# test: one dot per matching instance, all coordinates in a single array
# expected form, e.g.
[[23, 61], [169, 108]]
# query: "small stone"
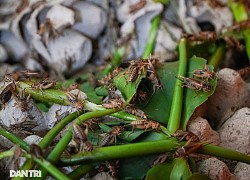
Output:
[[231, 93], [203, 130], [234, 133], [92, 19], [241, 171], [215, 169]]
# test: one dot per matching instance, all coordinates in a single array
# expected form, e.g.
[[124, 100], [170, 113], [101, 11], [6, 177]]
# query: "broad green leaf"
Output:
[[198, 176], [180, 169], [159, 105], [128, 89], [193, 99], [160, 171]]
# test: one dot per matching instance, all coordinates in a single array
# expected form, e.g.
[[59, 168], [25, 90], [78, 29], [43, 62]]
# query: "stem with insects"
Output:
[[122, 151], [152, 147], [62, 144], [59, 97], [176, 107]]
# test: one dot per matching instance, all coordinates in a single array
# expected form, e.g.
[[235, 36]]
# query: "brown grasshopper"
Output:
[[204, 73], [195, 84], [110, 137], [81, 138]]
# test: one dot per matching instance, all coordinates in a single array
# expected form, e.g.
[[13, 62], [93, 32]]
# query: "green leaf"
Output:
[[160, 171], [193, 99], [158, 108], [180, 169], [101, 91], [198, 176], [135, 168], [130, 136], [128, 89]]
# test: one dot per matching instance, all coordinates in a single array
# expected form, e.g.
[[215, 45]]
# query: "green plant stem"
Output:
[[176, 107], [80, 171], [152, 36], [48, 95], [49, 137], [122, 151], [49, 167], [14, 139], [240, 14], [59, 97], [217, 56], [62, 144], [225, 153], [152, 147]]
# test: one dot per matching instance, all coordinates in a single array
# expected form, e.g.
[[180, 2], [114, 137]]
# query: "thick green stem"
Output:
[[122, 151], [176, 107], [49, 137], [225, 153], [59, 97], [217, 56], [152, 147], [152, 36], [240, 14]]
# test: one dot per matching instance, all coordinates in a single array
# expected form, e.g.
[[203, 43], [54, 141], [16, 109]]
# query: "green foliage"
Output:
[[193, 99], [158, 108], [128, 89], [172, 170]]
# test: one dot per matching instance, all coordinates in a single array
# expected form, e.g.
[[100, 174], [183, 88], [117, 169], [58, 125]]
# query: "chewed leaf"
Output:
[[193, 99], [128, 89], [158, 107]]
